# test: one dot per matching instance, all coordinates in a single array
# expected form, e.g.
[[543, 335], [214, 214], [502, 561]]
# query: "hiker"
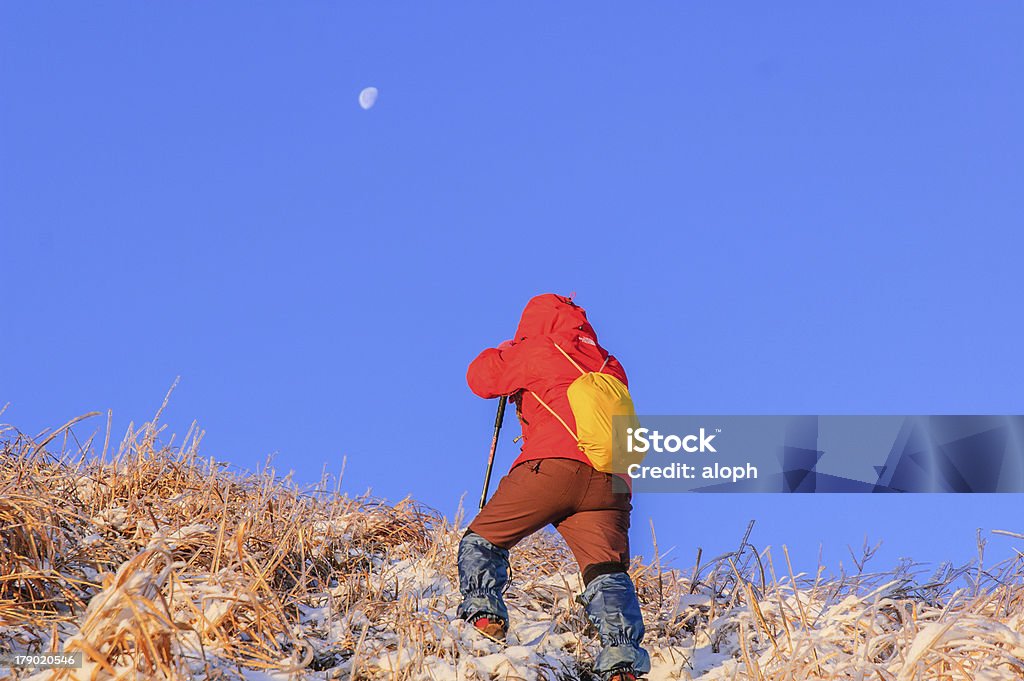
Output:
[[554, 482]]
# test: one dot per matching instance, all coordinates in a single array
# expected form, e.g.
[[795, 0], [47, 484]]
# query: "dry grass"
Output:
[[156, 563]]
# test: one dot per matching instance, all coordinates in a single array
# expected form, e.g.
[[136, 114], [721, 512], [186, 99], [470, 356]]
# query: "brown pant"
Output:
[[589, 509]]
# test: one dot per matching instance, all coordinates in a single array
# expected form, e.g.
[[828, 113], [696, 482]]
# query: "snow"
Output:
[[393, 615]]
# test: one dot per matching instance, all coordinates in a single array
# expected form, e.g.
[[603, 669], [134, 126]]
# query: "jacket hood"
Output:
[[552, 315]]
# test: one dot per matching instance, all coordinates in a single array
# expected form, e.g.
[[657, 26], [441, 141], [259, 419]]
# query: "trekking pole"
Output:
[[502, 401]]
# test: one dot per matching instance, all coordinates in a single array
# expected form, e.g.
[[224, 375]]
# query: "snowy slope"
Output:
[[159, 564]]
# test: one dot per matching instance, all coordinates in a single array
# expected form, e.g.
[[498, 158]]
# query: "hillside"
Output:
[[157, 563]]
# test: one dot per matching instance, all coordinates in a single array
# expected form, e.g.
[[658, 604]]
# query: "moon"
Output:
[[368, 97]]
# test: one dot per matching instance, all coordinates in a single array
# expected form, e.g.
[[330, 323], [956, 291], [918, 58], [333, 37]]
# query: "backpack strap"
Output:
[[582, 373], [555, 414], [578, 367]]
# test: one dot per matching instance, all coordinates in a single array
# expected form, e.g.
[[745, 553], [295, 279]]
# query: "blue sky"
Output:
[[795, 208]]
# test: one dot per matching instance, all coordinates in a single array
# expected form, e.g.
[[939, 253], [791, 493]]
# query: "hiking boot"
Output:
[[491, 627], [623, 675]]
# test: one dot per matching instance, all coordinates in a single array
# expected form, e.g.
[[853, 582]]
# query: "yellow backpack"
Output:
[[595, 399]]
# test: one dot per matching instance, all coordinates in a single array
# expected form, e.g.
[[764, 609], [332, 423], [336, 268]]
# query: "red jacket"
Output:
[[533, 363]]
